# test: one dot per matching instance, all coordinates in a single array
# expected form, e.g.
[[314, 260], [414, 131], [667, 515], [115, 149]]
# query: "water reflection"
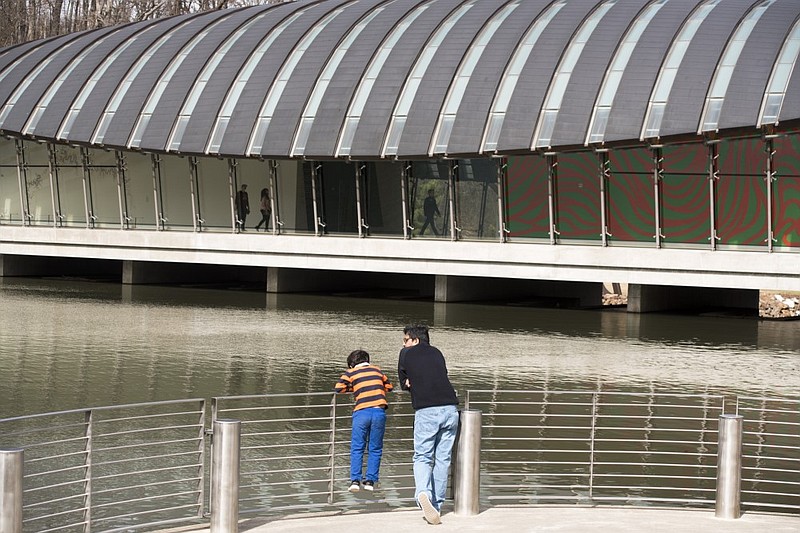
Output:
[[66, 344]]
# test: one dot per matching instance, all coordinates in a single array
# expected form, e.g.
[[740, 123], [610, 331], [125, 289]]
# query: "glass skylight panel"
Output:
[[613, 77], [235, 92], [22, 87], [722, 76], [312, 106], [10, 68], [779, 78], [155, 95], [409, 91], [197, 89], [447, 117], [122, 89], [508, 82], [666, 77], [86, 90], [41, 107], [555, 93], [259, 132]]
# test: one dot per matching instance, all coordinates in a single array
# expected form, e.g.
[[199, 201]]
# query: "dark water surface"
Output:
[[69, 344]]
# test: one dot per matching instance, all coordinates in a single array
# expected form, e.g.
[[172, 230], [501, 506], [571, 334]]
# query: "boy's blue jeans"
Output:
[[368, 427], [435, 431]]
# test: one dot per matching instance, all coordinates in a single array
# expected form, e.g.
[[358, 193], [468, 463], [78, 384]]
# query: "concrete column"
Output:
[[651, 298]]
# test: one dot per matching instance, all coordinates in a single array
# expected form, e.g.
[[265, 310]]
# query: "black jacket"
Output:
[[424, 366]]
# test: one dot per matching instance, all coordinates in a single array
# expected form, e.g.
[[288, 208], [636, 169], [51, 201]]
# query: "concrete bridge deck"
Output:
[[528, 520]]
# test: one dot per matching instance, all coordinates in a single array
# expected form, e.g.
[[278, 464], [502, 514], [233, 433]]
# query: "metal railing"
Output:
[[111, 468], [589, 447], [142, 466], [770, 454], [295, 451]]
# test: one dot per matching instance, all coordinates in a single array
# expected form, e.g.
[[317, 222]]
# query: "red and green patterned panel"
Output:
[[786, 191], [684, 195], [741, 202], [526, 197], [578, 197], [631, 211]]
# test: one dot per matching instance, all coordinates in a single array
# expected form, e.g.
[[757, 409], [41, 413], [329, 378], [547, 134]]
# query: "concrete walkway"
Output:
[[529, 520]]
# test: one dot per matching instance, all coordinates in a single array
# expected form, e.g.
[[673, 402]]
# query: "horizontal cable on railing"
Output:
[[60, 528], [96, 492], [54, 500], [139, 513], [146, 498], [144, 458], [103, 421], [149, 471]]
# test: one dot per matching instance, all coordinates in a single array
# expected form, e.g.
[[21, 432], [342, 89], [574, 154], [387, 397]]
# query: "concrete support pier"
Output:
[[651, 298]]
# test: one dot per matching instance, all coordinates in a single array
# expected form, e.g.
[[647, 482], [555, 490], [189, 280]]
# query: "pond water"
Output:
[[67, 344]]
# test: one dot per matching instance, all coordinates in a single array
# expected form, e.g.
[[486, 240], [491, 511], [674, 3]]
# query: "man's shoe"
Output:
[[369, 485], [428, 510], [355, 486]]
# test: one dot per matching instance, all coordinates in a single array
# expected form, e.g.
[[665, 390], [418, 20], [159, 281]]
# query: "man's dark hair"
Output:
[[357, 357], [418, 331]]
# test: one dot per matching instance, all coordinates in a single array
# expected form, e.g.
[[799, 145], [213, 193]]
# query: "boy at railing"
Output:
[[369, 387]]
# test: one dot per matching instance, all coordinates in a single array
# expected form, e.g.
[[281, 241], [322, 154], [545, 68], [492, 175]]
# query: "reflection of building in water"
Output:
[[608, 164]]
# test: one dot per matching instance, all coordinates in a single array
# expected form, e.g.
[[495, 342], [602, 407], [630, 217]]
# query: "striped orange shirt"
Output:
[[368, 384]]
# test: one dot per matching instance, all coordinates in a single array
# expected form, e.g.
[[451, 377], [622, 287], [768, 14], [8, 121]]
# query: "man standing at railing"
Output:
[[422, 370]]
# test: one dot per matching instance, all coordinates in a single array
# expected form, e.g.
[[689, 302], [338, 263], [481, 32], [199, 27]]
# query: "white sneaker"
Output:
[[428, 510], [355, 486]]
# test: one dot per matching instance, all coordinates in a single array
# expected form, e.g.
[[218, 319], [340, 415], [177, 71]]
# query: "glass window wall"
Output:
[[295, 209], [337, 203], [175, 192], [631, 196], [786, 192], [103, 190], [139, 205], [527, 198], [37, 184], [741, 202], [10, 208], [214, 195], [685, 196], [428, 197], [476, 199], [255, 174], [70, 194], [382, 196], [578, 197]]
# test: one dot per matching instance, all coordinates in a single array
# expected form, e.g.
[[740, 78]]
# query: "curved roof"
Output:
[[410, 78]]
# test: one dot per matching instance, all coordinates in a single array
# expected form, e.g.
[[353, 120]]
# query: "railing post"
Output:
[[729, 466], [467, 474], [225, 476], [11, 468]]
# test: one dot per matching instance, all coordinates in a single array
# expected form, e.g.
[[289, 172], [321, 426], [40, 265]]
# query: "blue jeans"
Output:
[[434, 433], [368, 427]]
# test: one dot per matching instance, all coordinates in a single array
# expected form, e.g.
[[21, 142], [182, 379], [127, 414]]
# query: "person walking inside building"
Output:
[[421, 370], [266, 210], [430, 209], [369, 387], [242, 207]]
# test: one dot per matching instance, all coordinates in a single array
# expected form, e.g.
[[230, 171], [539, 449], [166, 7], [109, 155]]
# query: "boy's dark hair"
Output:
[[418, 331], [357, 357]]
